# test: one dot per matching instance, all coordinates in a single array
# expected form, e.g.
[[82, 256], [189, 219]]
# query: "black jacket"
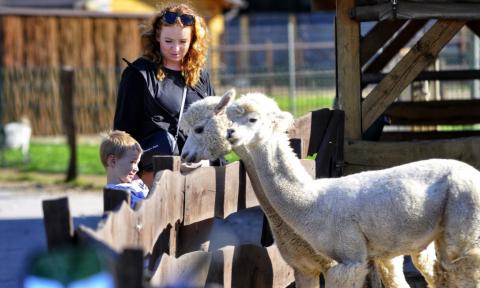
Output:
[[146, 104]]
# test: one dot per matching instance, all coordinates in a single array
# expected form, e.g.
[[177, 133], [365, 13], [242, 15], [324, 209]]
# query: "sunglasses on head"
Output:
[[170, 17]]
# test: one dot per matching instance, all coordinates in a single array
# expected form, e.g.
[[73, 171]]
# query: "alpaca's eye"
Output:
[[198, 130], [252, 120]]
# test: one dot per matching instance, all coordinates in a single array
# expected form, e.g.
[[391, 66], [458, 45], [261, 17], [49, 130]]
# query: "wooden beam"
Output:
[[427, 135], [389, 51], [449, 112], [446, 75], [474, 26], [347, 35], [420, 56], [377, 37], [417, 10], [367, 155]]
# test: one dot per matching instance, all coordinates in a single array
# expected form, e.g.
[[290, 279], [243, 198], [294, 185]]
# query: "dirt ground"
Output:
[[21, 221]]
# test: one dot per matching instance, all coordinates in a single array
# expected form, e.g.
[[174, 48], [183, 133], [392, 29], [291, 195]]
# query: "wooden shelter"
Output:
[[361, 61]]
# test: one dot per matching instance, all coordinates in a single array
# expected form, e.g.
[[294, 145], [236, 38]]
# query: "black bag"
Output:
[[160, 142]]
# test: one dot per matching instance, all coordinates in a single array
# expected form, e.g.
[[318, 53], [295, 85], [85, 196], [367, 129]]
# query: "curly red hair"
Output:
[[196, 57]]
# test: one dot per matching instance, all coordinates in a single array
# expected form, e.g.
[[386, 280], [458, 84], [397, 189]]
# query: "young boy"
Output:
[[120, 154]]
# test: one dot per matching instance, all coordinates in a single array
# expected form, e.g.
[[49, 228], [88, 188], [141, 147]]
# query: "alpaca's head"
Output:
[[256, 118], [206, 124]]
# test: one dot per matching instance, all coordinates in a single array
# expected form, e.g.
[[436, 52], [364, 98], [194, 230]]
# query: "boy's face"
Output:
[[125, 168]]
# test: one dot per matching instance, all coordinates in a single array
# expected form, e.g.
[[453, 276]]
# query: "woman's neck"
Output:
[[175, 66]]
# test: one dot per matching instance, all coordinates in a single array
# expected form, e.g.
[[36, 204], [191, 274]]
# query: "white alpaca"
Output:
[[369, 215], [16, 135], [206, 124]]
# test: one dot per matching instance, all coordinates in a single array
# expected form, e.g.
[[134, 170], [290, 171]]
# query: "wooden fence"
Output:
[[33, 50], [175, 228]]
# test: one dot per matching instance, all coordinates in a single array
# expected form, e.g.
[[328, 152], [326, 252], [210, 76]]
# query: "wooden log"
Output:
[[190, 270], [347, 35], [57, 222], [420, 56], [366, 155]]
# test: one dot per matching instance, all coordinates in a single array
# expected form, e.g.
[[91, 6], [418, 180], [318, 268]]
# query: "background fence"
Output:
[[289, 57]]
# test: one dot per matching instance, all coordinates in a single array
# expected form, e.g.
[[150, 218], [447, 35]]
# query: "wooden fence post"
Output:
[[57, 222], [112, 199], [130, 269], [67, 86], [161, 162]]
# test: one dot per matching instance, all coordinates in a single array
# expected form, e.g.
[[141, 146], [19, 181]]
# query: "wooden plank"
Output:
[[129, 269], [162, 162], [426, 135], [195, 236], [329, 160], [347, 34], [234, 189], [377, 37], [365, 155], [255, 266], [301, 129], [445, 75], [445, 10], [420, 56], [190, 270], [143, 227], [392, 48], [164, 206], [296, 144], [57, 222], [200, 195], [449, 112], [113, 199]]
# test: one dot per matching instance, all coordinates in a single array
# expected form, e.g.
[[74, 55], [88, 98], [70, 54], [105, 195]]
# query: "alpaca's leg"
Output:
[[303, 280], [424, 261], [460, 271], [347, 274], [391, 270]]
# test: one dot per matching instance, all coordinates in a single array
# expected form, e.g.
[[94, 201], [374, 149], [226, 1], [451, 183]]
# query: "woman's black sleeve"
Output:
[[129, 109]]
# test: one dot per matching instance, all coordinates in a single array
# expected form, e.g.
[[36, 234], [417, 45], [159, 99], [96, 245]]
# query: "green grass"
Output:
[[303, 105], [53, 158]]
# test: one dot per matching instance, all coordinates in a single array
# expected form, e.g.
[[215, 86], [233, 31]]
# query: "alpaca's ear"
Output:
[[226, 100], [282, 121]]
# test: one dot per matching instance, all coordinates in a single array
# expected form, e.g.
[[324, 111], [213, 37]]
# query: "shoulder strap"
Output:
[[180, 117]]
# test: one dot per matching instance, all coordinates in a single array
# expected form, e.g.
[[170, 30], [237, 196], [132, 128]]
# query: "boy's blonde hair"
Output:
[[117, 143]]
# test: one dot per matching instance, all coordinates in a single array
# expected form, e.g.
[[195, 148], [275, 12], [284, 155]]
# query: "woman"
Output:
[[153, 87]]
